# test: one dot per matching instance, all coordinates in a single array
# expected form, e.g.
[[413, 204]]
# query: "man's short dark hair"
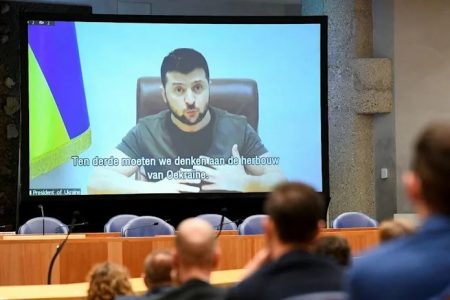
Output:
[[295, 209], [183, 60], [431, 162]]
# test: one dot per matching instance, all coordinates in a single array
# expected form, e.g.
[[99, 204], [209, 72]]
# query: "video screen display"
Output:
[[142, 108]]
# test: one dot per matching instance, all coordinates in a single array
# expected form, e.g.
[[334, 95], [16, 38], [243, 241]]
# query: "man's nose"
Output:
[[189, 99]]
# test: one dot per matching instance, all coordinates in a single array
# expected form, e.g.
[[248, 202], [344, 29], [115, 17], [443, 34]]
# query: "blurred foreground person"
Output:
[[418, 266], [286, 268], [108, 280]]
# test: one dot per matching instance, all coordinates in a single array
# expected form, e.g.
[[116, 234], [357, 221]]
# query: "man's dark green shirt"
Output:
[[156, 137]]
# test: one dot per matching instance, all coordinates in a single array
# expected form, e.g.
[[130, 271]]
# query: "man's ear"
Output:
[[216, 258], [146, 280], [413, 186], [163, 94], [175, 259], [265, 225], [268, 227], [321, 224]]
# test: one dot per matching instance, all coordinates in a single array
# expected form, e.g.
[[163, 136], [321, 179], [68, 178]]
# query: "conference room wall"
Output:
[[411, 33], [183, 7], [422, 70], [384, 124], [350, 114]]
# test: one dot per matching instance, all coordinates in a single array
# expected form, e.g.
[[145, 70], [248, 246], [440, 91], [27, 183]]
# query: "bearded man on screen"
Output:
[[204, 138]]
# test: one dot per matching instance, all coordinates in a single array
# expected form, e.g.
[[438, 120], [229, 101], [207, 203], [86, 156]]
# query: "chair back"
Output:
[[237, 96], [116, 223], [39, 225], [354, 219], [252, 225], [214, 220], [147, 226]]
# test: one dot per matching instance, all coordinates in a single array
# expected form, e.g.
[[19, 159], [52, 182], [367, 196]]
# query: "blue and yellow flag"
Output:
[[58, 116]]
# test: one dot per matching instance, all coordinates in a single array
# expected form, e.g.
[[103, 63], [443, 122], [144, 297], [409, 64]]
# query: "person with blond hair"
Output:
[[108, 280]]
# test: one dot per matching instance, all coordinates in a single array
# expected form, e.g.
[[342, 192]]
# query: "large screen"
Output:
[[173, 105]]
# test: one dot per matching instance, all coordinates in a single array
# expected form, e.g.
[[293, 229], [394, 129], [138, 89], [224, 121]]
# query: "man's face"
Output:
[[187, 95]]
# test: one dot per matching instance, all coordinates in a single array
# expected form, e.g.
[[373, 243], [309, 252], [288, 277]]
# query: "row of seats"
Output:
[[133, 225]]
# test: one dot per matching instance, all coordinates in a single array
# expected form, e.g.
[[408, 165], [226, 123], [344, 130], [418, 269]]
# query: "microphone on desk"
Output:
[[43, 218], [68, 226], [59, 248], [166, 220], [5, 226], [236, 221], [156, 223]]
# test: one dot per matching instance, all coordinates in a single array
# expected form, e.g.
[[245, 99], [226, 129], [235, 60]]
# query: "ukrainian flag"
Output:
[[58, 115]]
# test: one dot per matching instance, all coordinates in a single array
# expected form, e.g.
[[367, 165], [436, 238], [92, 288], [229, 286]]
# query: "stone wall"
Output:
[[9, 116], [359, 87]]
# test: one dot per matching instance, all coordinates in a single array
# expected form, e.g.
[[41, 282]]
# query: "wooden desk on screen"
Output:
[[25, 259]]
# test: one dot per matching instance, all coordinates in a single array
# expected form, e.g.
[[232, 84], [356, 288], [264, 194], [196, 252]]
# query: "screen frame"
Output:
[[229, 200]]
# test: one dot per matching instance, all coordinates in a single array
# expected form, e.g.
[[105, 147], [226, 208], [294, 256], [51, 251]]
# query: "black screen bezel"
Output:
[[159, 203]]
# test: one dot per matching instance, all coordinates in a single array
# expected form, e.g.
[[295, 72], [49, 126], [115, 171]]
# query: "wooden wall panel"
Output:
[[25, 261], [134, 252], [78, 259]]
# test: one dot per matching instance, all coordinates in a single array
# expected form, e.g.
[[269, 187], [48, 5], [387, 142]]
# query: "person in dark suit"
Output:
[[417, 266], [196, 255], [286, 268]]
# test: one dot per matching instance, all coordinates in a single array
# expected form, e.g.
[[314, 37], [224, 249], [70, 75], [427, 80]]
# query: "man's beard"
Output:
[[185, 120]]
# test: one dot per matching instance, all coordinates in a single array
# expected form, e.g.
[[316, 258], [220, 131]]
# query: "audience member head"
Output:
[[196, 253], [392, 229], [295, 211], [157, 269], [108, 280], [334, 247], [427, 184]]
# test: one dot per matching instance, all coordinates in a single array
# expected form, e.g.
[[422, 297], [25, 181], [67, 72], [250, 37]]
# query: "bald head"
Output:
[[196, 243]]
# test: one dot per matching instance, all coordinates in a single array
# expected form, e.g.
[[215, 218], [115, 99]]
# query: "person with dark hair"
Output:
[[334, 247], [107, 281], [286, 268], [157, 270], [191, 131], [416, 266]]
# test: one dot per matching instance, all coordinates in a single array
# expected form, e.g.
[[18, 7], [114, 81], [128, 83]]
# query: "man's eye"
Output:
[[179, 90], [198, 88]]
